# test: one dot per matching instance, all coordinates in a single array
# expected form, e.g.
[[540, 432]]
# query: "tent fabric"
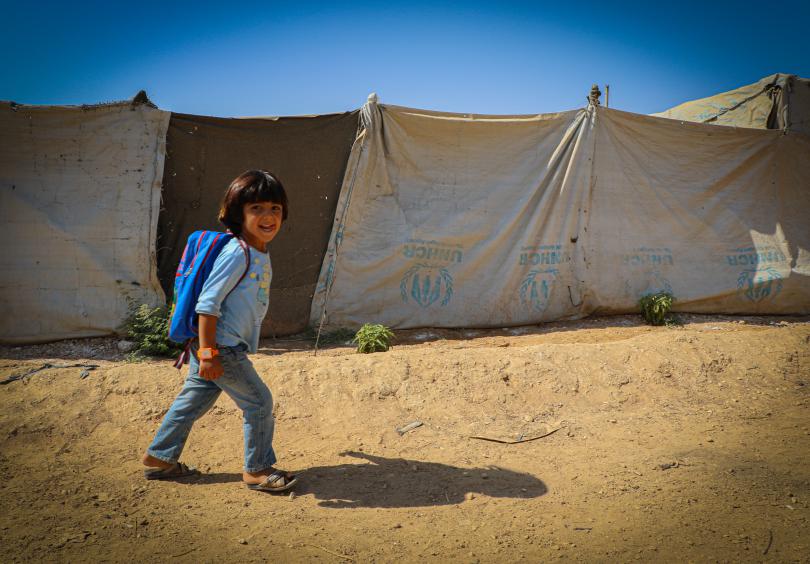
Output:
[[778, 101], [308, 154], [716, 215], [78, 209], [452, 220], [798, 106]]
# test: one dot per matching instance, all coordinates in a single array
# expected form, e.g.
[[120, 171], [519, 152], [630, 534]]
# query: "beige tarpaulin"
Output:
[[716, 215], [453, 220], [778, 101], [78, 209]]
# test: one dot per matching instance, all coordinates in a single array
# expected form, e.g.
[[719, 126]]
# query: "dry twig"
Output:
[[770, 542], [349, 558], [192, 549], [521, 440]]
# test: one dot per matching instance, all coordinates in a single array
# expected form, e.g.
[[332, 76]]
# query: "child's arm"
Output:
[[209, 369], [225, 274]]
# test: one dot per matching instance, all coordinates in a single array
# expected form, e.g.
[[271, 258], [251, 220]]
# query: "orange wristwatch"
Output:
[[207, 353]]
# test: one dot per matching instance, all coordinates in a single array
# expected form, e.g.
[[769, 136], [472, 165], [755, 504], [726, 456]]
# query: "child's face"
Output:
[[262, 220]]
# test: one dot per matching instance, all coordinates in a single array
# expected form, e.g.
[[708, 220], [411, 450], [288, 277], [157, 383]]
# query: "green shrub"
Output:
[[655, 308], [373, 338], [148, 328]]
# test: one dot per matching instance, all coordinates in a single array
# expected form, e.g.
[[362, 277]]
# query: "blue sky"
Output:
[[269, 58]]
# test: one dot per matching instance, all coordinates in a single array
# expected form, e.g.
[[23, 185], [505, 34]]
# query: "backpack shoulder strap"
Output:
[[246, 250]]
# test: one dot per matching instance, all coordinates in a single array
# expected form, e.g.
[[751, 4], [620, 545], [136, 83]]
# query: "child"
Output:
[[230, 317]]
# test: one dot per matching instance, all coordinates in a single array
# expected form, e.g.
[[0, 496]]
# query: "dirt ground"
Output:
[[667, 444]]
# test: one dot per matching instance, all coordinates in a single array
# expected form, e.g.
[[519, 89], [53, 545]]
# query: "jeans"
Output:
[[241, 382]]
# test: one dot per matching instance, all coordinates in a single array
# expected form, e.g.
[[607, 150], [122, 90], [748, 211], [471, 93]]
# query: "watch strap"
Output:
[[207, 353]]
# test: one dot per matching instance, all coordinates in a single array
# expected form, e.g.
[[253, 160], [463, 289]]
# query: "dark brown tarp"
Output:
[[308, 154]]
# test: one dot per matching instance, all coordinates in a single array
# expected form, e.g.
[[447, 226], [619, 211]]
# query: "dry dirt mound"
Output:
[[654, 444]]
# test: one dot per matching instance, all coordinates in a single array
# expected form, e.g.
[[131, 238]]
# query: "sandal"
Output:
[[278, 481], [178, 470]]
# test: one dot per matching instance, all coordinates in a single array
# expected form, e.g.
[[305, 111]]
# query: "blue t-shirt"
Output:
[[241, 313]]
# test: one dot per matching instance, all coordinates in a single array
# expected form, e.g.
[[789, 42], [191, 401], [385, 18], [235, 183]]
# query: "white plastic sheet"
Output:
[[78, 209], [452, 220]]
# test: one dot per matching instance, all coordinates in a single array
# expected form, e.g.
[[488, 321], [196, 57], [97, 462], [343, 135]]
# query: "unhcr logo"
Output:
[[543, 255], [642, 256], [536, 288], [426, 285], [546, 257], [431, 252], [760, 278], [758, 285], [752, 258]]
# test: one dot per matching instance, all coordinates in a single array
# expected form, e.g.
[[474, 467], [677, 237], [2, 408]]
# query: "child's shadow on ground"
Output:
[[399, 482]]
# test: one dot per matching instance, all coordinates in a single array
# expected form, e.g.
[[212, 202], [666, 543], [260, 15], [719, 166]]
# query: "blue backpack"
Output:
[[198, 259]]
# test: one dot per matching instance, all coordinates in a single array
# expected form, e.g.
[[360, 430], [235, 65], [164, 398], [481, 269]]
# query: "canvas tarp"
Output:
[[308, 154], [778, 101], [452, 220], [78, 209]]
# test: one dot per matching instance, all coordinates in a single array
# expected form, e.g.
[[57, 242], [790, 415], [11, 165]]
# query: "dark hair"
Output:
[[249, 187]]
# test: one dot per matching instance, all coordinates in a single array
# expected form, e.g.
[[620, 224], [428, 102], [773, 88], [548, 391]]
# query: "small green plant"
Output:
[[148, 328], [373, 338], [655, 308]]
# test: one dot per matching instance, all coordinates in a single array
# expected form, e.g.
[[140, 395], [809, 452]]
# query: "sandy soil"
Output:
[[669, 444]]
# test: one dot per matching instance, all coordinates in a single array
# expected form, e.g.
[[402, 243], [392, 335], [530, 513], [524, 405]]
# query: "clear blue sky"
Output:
[[240, 59]]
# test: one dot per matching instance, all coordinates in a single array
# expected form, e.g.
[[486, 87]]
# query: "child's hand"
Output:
[[211, 369]]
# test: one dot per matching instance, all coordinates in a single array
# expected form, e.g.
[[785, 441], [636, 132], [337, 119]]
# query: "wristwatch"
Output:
[[207, 353]]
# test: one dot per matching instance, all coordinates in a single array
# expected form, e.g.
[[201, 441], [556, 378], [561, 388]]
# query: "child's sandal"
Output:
[[178, 470], [278, 481]]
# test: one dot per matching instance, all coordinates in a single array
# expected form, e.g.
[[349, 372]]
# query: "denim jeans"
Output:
[[241, 382]]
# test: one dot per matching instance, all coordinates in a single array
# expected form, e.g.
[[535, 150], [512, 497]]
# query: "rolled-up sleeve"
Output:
[[225, 274]]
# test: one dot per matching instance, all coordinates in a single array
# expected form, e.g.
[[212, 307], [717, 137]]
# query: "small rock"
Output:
[[484, 475], [242, 541], [292, 496], [469, 495], [126, 346], [612, 421]]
